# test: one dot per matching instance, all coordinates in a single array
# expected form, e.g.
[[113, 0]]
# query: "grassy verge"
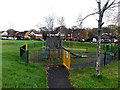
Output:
[[86, 78], [16, 74]]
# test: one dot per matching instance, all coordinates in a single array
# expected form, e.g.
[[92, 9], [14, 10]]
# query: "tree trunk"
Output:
[[119, 42], [99, 40], [98, 53]]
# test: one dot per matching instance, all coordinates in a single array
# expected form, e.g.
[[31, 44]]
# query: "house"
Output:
[[79, 35], [20, 35], [3, 35], [26, 34], [23, 35], [62, 32], [35, 34], [106, 38], [9, 34], [68, 34], [12, 34], [53, 33], [59, 31]]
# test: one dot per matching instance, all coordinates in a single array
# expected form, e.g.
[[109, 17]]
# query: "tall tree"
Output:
[[119, 25], [79, 20], [49, 20], [101, 11], [61, 21], [102, 8]]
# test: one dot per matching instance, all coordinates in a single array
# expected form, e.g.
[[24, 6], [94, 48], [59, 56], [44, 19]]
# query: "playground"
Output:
[[71, 55], [56, 55], [54, 62]]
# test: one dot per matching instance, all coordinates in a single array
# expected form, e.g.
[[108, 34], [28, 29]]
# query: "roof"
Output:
[[20, 34], [2, 31], [37, 32], [53, 32], [78, 30]]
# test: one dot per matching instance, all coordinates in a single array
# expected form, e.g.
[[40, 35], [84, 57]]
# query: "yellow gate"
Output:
[[66, 59]]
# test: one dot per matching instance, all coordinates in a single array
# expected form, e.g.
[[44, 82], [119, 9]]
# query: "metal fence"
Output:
[[38, 56], [48, 56], [111, 49], [77, 60]]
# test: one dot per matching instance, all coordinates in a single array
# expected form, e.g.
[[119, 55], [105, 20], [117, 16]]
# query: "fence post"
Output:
[[26, 47], [118, 52], [27, 53], [27, 59], [86, 49], [105, 58], [107, 48], [20, 52]]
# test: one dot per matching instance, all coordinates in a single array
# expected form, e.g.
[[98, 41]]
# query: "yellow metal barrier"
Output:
[[66, 59]]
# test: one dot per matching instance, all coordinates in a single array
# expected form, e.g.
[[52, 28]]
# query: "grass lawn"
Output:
[[75, 60], [86, 78], [17, 74], [83, 45]]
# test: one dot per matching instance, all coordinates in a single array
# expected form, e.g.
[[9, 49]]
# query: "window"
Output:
[[68, 35]]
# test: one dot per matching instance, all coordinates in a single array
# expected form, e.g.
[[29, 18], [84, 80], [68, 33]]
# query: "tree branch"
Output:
[[87, 16], [115, 5], [105, 6], [112, 3]]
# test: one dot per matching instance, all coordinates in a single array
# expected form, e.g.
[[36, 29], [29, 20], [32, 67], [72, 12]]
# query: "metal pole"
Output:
[[27, 57], [105, 58]]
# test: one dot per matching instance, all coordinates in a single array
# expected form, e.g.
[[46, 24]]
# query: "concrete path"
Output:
[[58, 77]]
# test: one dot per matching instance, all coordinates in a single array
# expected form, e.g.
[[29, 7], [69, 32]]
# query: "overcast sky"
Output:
[[26, 14]]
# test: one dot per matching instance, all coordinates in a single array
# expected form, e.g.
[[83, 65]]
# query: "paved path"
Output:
[[58, 77]]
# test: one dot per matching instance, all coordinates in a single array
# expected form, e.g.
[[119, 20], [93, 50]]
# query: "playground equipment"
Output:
[[74, 54], [54, 54], [54, 44], [66, 59]]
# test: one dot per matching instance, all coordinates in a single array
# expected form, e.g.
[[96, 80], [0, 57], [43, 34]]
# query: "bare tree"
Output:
[[61, 21], [118, 19], [79, 21], [102, 8], [49, 20], [39, 26], [118, 13], [101, 11]]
